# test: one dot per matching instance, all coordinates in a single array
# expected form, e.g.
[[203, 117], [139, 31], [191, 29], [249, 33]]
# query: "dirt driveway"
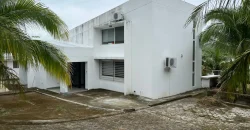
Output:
[[184, 114], [177, 115]]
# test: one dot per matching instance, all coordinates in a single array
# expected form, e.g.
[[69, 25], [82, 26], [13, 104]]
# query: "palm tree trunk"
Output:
[[244, 84], [244, 88]]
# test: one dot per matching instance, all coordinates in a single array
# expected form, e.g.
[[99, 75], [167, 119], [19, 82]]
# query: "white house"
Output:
[[126, 50]]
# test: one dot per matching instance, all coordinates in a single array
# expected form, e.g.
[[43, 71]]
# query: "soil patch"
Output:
[[34, 106]]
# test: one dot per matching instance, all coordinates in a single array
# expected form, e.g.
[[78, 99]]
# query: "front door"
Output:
[[78, 75]]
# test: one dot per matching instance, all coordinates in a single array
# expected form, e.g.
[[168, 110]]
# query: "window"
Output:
[[108, 36], [107, 68], [15, 64], [194, 50], [112, 70], [119, 69], [119, 35], [113, 35]]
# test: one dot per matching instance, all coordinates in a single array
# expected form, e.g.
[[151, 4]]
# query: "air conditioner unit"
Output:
[[118, 17], [171, 63]]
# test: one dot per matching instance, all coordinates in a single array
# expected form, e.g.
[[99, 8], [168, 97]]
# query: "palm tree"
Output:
[[15, 15], [230, 32], [201, 10], [214, 59]]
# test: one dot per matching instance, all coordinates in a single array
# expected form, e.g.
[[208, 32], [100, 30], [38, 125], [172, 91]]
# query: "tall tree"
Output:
[[229, 31], [15, 15], [214, 59], [201, 10]]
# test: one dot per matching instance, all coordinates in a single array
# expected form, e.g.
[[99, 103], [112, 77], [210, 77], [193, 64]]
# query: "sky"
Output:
[[76, 12]]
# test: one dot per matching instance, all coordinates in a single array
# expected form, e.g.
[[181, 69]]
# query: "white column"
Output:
[[128, 58], [63, 88], [23, 75]]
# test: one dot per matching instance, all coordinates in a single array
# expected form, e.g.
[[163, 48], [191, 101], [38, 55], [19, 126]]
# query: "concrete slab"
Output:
[[71, 91], [108, 99]]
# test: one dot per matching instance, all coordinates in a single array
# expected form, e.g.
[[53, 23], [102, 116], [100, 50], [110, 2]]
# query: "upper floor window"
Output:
[[15, 64], [113, 35]]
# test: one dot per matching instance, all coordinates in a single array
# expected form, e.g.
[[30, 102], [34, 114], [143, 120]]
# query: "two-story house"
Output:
[[140, 47]]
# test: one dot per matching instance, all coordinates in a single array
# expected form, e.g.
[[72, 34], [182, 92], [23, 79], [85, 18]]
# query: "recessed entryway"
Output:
[[78, 75]]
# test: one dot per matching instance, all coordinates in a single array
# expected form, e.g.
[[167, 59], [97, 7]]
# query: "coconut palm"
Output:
[[230, 32], [201, 10], [214, 59], [15, 16]]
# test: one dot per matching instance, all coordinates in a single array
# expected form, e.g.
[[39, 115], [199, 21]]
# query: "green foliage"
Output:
[[201, 10], [229, 32], [15, 15], [214, 59]]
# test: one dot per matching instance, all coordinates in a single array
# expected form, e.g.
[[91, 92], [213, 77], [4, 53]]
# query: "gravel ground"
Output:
[[183, 114]]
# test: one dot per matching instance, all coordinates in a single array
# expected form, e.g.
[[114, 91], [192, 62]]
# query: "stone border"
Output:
[[171, 100]]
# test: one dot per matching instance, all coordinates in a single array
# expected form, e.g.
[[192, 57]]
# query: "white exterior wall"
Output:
[[21, 72], [154, 30], [90, 34], [138, 51], [38, 77], [9, 63], [171, 39]]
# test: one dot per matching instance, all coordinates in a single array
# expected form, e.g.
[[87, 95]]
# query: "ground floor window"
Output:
[[112, 70]]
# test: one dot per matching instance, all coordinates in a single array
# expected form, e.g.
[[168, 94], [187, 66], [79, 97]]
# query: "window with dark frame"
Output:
[[15, 64], [113, 35], [112, 70], [194, 50]]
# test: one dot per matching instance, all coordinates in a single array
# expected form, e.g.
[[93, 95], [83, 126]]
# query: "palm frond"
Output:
[[27, 12], [201, 10], [28, 52], [34, 53], [9, 78], [238, 72]]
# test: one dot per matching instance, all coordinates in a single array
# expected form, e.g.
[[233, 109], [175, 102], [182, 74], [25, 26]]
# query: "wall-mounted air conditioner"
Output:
[[117, 17], [171, 62]]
